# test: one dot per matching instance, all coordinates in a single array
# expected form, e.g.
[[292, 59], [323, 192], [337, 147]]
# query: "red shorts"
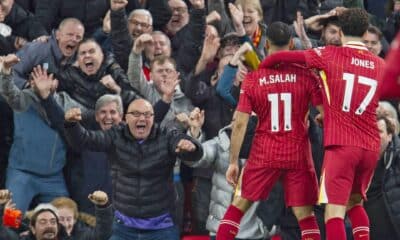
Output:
[[300, 185], [346, 170]]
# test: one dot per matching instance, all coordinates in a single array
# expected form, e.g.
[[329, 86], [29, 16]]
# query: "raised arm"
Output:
[[103, 214], [17, 99], [80, 138]]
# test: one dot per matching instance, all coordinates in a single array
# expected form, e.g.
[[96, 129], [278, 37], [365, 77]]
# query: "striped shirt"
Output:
[[350, 79], [280, 97]]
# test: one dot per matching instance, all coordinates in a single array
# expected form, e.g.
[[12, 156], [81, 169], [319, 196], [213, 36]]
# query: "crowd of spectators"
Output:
[[131, 103]]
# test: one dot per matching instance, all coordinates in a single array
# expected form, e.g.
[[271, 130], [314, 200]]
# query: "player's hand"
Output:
[[319, 120], [98, 198], [232, 174], [73, 115]]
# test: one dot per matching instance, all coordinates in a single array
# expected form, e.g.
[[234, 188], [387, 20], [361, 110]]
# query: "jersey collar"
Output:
[[356, 45]]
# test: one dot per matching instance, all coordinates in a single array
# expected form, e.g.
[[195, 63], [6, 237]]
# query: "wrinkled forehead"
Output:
[[87, 46], [140, 105]]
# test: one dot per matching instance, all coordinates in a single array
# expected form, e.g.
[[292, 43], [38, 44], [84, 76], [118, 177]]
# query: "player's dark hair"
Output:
[[354, 22], [334, 20], [279, 34]]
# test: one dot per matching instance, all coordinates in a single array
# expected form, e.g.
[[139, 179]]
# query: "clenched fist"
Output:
[[98, 198]]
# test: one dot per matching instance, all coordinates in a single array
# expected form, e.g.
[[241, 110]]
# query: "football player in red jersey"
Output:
[[351, 80], [280, 96]]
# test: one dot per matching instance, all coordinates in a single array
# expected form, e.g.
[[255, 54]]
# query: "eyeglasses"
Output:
[[137, 114], [140, 24], [179, 10]]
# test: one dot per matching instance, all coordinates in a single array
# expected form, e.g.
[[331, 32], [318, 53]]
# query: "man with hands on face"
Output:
[[143, 156]]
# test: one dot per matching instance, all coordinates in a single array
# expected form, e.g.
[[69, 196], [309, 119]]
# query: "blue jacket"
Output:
[[37, 148], [37, 53]]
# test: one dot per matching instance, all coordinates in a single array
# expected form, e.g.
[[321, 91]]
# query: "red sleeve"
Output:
[[283, 57], [316, 92], [244, 104], [391, 76], [314, 58]]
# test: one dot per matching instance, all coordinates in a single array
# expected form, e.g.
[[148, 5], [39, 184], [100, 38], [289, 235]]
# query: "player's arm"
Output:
[[239, 125], [284, 57]]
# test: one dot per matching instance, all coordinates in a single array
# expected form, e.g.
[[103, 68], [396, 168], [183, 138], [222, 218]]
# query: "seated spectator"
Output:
[[68, 215], [44, 223], [54, 55]]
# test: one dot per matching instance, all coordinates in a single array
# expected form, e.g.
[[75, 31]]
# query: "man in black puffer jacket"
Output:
[[384, 192], [142, 159]]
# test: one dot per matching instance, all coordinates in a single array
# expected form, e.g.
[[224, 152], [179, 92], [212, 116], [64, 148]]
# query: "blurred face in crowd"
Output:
[[69, 36], [138, 24], [384, 135], [331, 35], [140, 118], [180, 16], [371, 40], [162, 73], [251, 18], [90, 57], [108, 115], [161, 46], [46, 227], [67, 219], [5, 8]]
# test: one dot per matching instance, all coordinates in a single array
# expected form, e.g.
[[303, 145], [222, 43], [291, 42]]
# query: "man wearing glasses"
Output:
[[143, 159]]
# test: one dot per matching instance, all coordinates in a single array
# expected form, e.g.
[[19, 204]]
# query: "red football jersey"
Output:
[[280, 97], [350, 79]]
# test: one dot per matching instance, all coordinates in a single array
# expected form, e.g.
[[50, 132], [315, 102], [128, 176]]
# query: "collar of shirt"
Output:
[[356, 45]]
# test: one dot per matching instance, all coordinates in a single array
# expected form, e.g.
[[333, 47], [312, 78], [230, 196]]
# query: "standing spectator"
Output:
[[24, 26], [383, 192], [55, 54], [162, 70], [280, 127], [90, 12], [350, 129], [143, 156], [38, 154], [392, 25]]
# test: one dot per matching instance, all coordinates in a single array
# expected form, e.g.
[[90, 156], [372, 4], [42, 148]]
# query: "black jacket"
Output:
[[90, 12], [384, 192], [24, 24], [87, 89], [141, 172]]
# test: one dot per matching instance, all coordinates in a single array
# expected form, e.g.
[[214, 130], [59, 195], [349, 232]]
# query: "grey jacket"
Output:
[[216, 155], [137, 79]]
